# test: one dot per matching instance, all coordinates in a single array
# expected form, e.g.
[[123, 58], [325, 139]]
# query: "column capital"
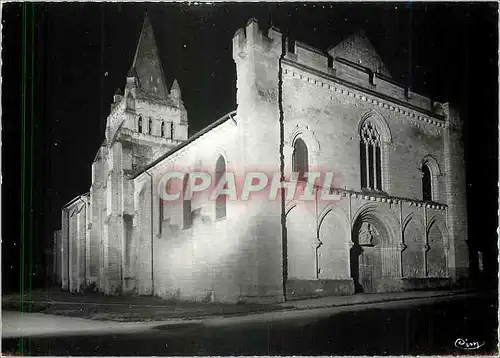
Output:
[[425, 247], [317, 243]]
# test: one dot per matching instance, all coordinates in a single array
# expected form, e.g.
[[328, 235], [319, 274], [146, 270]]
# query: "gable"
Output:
[[358, 49]]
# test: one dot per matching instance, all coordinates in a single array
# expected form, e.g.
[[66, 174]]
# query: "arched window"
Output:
[[139, 125], [220, 203], [371, 157], [300, 159], [150, 126], [163, 129], [430, 178], [186, 203], [172, 130], [426, 183]]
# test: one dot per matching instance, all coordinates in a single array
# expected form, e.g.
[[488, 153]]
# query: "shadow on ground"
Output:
[[423, 329], [123, 308]]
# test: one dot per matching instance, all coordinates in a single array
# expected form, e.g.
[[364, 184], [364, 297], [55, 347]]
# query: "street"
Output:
[[444, 325]]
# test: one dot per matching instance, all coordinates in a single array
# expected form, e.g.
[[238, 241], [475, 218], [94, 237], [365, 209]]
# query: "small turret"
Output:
[[175, 91], [176, 97], [131, 78], [117, 96]]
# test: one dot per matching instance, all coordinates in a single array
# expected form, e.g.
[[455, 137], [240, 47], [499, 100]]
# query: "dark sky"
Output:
[[80, 54]]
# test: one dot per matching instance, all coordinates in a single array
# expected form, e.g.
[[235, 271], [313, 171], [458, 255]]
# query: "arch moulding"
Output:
[[386, 217], [340, 214], [380, 123], [441, 225], [307, 135], [414, 217]]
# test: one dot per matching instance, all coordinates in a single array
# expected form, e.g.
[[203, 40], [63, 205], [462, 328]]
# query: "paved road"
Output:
[[420, 326]]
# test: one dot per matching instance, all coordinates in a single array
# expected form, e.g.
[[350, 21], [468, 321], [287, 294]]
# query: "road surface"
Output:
[[445, 325]]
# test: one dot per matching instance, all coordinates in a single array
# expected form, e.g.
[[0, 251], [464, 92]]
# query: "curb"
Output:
[[379, 301]]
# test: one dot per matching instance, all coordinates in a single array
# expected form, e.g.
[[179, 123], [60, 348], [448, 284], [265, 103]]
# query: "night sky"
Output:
[[77, 55]]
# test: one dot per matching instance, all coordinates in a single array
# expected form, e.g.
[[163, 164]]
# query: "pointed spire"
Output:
[[147, 66], [117, 96], [175, 90]]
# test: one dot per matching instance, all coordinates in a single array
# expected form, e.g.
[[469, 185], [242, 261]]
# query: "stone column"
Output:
[[348, 246], [425, 249], [401, 247], [133, 245], [316, 245], [446, 249]]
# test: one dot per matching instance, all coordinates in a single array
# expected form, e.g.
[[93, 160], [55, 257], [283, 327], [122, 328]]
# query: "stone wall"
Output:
[[271, 250], [326, 113], [327, 116], [74, 242], [65, 249], [455, 194], [201, 258], [57, 252]]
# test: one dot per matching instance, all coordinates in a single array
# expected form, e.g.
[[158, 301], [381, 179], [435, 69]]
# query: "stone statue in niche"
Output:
[[368, 235]]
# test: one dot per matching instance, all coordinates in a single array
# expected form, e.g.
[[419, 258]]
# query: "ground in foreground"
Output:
[[410, 327]]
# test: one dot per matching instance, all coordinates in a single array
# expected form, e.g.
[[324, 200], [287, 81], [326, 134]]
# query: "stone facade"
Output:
[[399, 222]]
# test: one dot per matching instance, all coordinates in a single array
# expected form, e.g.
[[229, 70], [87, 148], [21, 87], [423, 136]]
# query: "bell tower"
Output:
[[145, 122]]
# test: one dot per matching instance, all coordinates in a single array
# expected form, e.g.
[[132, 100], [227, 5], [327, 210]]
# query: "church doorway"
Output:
[[365, 256]]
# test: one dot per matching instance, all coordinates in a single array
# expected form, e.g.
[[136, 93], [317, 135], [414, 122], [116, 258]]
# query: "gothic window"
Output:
[[186, 203], [220, 204], [163, 129], [370, 157], [300, 158], [172, 130], [426, 183], [139, 125], [150, 126]]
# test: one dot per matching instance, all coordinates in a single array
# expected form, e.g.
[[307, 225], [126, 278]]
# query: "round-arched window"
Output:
[[139, 125], [300, 160]]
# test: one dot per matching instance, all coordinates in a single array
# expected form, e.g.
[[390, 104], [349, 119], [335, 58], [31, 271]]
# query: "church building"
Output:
[[399, 221]]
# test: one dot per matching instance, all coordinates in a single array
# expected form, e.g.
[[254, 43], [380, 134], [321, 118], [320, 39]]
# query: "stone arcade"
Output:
[[400, 222]]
